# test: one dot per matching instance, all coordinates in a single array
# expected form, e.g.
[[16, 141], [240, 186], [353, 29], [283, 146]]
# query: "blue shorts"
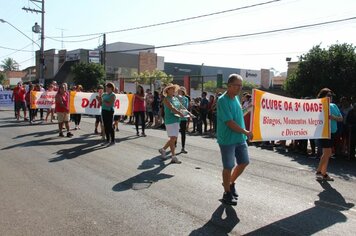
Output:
[[234, 152]]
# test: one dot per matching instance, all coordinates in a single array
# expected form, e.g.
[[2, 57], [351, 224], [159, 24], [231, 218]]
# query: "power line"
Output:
[[174, 21], [72, 41], [17, 50], [224, 38], [235, 53], [26, 60]]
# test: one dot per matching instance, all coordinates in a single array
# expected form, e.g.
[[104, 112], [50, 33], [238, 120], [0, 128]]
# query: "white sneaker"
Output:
[[163, 153], [175, 160]]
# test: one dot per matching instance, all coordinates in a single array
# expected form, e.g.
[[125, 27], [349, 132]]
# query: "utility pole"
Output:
[[104, 53], [42, 11], [202, 77], [104, 49]]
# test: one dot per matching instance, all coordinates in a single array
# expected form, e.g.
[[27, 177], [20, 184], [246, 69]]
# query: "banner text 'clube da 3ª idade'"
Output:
[[281, 118]]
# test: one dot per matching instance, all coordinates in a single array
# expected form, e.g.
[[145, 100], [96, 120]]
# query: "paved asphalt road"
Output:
[[74, 186]]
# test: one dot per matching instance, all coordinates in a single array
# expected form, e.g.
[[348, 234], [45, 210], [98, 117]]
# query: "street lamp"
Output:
[[4, 21], [36, 28]]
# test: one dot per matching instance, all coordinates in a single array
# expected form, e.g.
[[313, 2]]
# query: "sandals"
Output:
[[321, 177]]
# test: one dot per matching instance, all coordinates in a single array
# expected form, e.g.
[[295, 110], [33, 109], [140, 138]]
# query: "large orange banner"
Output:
[[276, 117]]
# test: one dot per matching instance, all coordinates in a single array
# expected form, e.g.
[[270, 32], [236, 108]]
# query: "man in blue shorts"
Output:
[[231, 136]]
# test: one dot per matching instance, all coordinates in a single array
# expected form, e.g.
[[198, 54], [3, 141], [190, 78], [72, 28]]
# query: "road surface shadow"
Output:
[[127, 138], [339, 167], [219, 224], [145, 178], [55, 141], [21, 123], [37, 134], [326, 213], [70, 153]]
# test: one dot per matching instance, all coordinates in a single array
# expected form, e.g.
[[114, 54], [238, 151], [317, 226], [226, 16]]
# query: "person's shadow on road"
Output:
[[84, 147], [326, 212], [219, 224], [144, 179]]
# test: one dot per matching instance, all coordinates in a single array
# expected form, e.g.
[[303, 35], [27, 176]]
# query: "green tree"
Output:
[[2, 78], [147, 77], [89, 75], [9, 64], [334, 68], [211, 86]]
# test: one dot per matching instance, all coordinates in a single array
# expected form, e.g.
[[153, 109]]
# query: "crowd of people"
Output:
[[224, 116], [149, 107]]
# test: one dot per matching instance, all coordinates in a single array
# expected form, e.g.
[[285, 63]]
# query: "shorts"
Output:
[[116, 117], [97, 118], [20, 105], [327, 143], [234, 152], [172, 130], [62, 117]]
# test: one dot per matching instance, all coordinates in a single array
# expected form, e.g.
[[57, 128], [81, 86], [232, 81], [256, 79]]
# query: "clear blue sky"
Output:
[[77, 17]]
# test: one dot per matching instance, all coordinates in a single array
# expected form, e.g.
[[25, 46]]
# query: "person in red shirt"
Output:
[[139, 109], [18, 96], [62, 109]]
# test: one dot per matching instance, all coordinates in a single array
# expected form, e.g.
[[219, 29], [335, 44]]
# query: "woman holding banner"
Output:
[[62, 110], [327, 144], [31, 112], [77, 117], [50, 111], [107, 112], [139, 109]]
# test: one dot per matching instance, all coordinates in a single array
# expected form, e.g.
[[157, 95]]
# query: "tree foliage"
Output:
[[89, 75], [9, 64], [147, 77], [334, 68], [211, 86], [2, 78]]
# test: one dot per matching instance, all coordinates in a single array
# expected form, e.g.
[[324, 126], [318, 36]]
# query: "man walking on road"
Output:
[[231, 136]]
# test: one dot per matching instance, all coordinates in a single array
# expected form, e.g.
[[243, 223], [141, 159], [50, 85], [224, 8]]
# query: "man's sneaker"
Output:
[[233, 190], [326, 177], [229, 199], [61, 134], [319, 176], [163, 153], [175, 160], [69, 135], [184, 151], [112, 143]]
